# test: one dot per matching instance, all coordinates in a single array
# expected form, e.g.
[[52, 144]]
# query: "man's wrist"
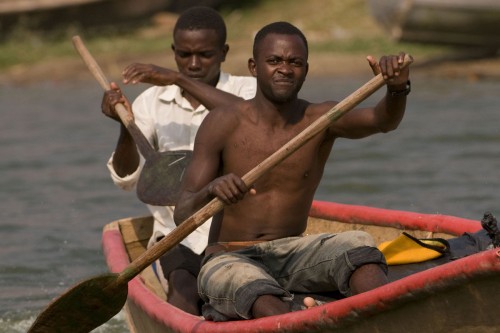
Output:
[[400, 92], [178, 78]]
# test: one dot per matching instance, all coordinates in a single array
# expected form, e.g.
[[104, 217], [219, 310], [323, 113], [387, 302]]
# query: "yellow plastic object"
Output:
[[407, 249]]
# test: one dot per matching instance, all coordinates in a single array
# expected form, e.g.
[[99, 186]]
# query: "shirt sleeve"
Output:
[[128, 182], [143, 121], [244, 86]]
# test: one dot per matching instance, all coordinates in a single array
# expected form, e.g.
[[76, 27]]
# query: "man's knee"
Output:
[[353, 259], [367, 277]]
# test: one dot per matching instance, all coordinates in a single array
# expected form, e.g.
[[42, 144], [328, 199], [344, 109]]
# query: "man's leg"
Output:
[[367, 277], [180, 267], [355, 259], [269, 305], [183, 291], [230, 284]]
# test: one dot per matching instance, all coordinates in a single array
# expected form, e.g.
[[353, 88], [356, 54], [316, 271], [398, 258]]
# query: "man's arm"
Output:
[[201, 182], [388, 113], [207, 95], [392, 107], [203, 168], [126, 157]]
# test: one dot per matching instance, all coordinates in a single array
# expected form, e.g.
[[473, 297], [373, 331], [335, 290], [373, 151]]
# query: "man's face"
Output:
[[280, 66], [199, 54]]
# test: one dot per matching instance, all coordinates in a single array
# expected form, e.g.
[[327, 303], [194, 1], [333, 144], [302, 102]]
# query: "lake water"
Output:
[[56, 194]]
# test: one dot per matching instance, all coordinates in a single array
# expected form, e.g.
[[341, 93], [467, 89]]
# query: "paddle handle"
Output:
[[127, 119], [214, 206]]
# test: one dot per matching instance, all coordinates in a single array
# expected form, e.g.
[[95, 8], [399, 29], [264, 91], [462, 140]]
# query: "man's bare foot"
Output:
[[310, 302]]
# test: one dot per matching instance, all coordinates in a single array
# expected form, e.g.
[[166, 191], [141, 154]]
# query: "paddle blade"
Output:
[[161, 176], [84, 307]]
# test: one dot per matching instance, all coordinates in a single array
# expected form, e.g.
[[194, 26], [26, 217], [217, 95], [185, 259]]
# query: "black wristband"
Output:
[[403, 92]]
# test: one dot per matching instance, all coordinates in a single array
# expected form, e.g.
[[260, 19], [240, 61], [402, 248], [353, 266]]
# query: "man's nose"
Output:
[[194, 62], [285, 68]]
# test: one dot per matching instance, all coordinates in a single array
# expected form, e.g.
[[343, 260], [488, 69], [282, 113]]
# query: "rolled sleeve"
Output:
[[128, 182]]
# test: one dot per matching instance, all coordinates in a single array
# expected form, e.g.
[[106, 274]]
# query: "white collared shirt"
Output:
[[169, 122]]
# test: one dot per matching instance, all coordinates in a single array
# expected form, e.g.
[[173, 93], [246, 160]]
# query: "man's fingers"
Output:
[[401, 58], [230, 190], [395, 65], [131, 76], [373, 64], [130, 73]]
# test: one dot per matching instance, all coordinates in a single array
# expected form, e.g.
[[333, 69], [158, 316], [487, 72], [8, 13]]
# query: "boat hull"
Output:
[[54, 14], [459, 296], [454, 22]]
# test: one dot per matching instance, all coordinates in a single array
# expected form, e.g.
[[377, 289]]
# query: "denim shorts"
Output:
[[230, 282]]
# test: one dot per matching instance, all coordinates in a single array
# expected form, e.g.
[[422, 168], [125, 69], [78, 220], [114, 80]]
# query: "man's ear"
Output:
[[225, 50], [252, 67]]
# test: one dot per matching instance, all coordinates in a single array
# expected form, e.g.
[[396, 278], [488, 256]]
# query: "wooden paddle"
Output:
[[161, 175], [92, 302]]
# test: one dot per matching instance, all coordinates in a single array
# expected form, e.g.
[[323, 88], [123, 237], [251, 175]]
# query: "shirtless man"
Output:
[[257, 255]]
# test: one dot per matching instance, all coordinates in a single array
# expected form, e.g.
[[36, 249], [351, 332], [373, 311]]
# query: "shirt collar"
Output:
[[174, 93], [223, 79]]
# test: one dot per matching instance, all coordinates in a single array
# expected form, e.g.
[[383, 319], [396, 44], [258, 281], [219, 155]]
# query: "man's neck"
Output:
[[192, 100], [280, 114]]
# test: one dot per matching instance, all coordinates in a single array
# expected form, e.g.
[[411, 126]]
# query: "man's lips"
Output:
[[284, 81], [195, 76]]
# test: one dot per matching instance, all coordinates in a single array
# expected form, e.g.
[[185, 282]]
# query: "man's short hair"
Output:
[[201, 17], [282, 28]]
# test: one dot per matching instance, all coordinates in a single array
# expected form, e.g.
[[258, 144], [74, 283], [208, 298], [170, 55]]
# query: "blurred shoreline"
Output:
[[339, 36], [321, 64]]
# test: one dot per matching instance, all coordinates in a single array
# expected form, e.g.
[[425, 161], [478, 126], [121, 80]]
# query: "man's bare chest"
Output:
[[247, 150]]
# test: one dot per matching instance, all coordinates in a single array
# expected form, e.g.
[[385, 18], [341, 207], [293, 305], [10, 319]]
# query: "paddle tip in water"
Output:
[[84, 307]]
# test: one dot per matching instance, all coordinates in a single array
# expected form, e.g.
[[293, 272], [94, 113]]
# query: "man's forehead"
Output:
[[276, 41], [207, 37], [195, 33]]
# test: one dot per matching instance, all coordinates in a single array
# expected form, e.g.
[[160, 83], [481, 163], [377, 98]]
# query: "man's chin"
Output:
[[284, 97], [208, 79]]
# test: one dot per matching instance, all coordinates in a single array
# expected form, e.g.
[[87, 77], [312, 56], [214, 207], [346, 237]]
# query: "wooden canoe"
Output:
[[459, 296], [456, 22]]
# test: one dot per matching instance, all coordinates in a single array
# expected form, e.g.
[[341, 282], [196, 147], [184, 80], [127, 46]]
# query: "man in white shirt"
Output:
[[169, 114]]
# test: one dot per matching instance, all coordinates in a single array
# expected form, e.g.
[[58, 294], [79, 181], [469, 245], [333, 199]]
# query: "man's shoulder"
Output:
[[241, 105], [243, 86]]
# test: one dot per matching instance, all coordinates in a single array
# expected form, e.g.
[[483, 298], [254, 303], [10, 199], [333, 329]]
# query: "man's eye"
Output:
[[207, 55], [182, 54]]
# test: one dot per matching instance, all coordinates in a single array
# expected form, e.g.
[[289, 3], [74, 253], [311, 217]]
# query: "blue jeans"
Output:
[[230, 282]]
